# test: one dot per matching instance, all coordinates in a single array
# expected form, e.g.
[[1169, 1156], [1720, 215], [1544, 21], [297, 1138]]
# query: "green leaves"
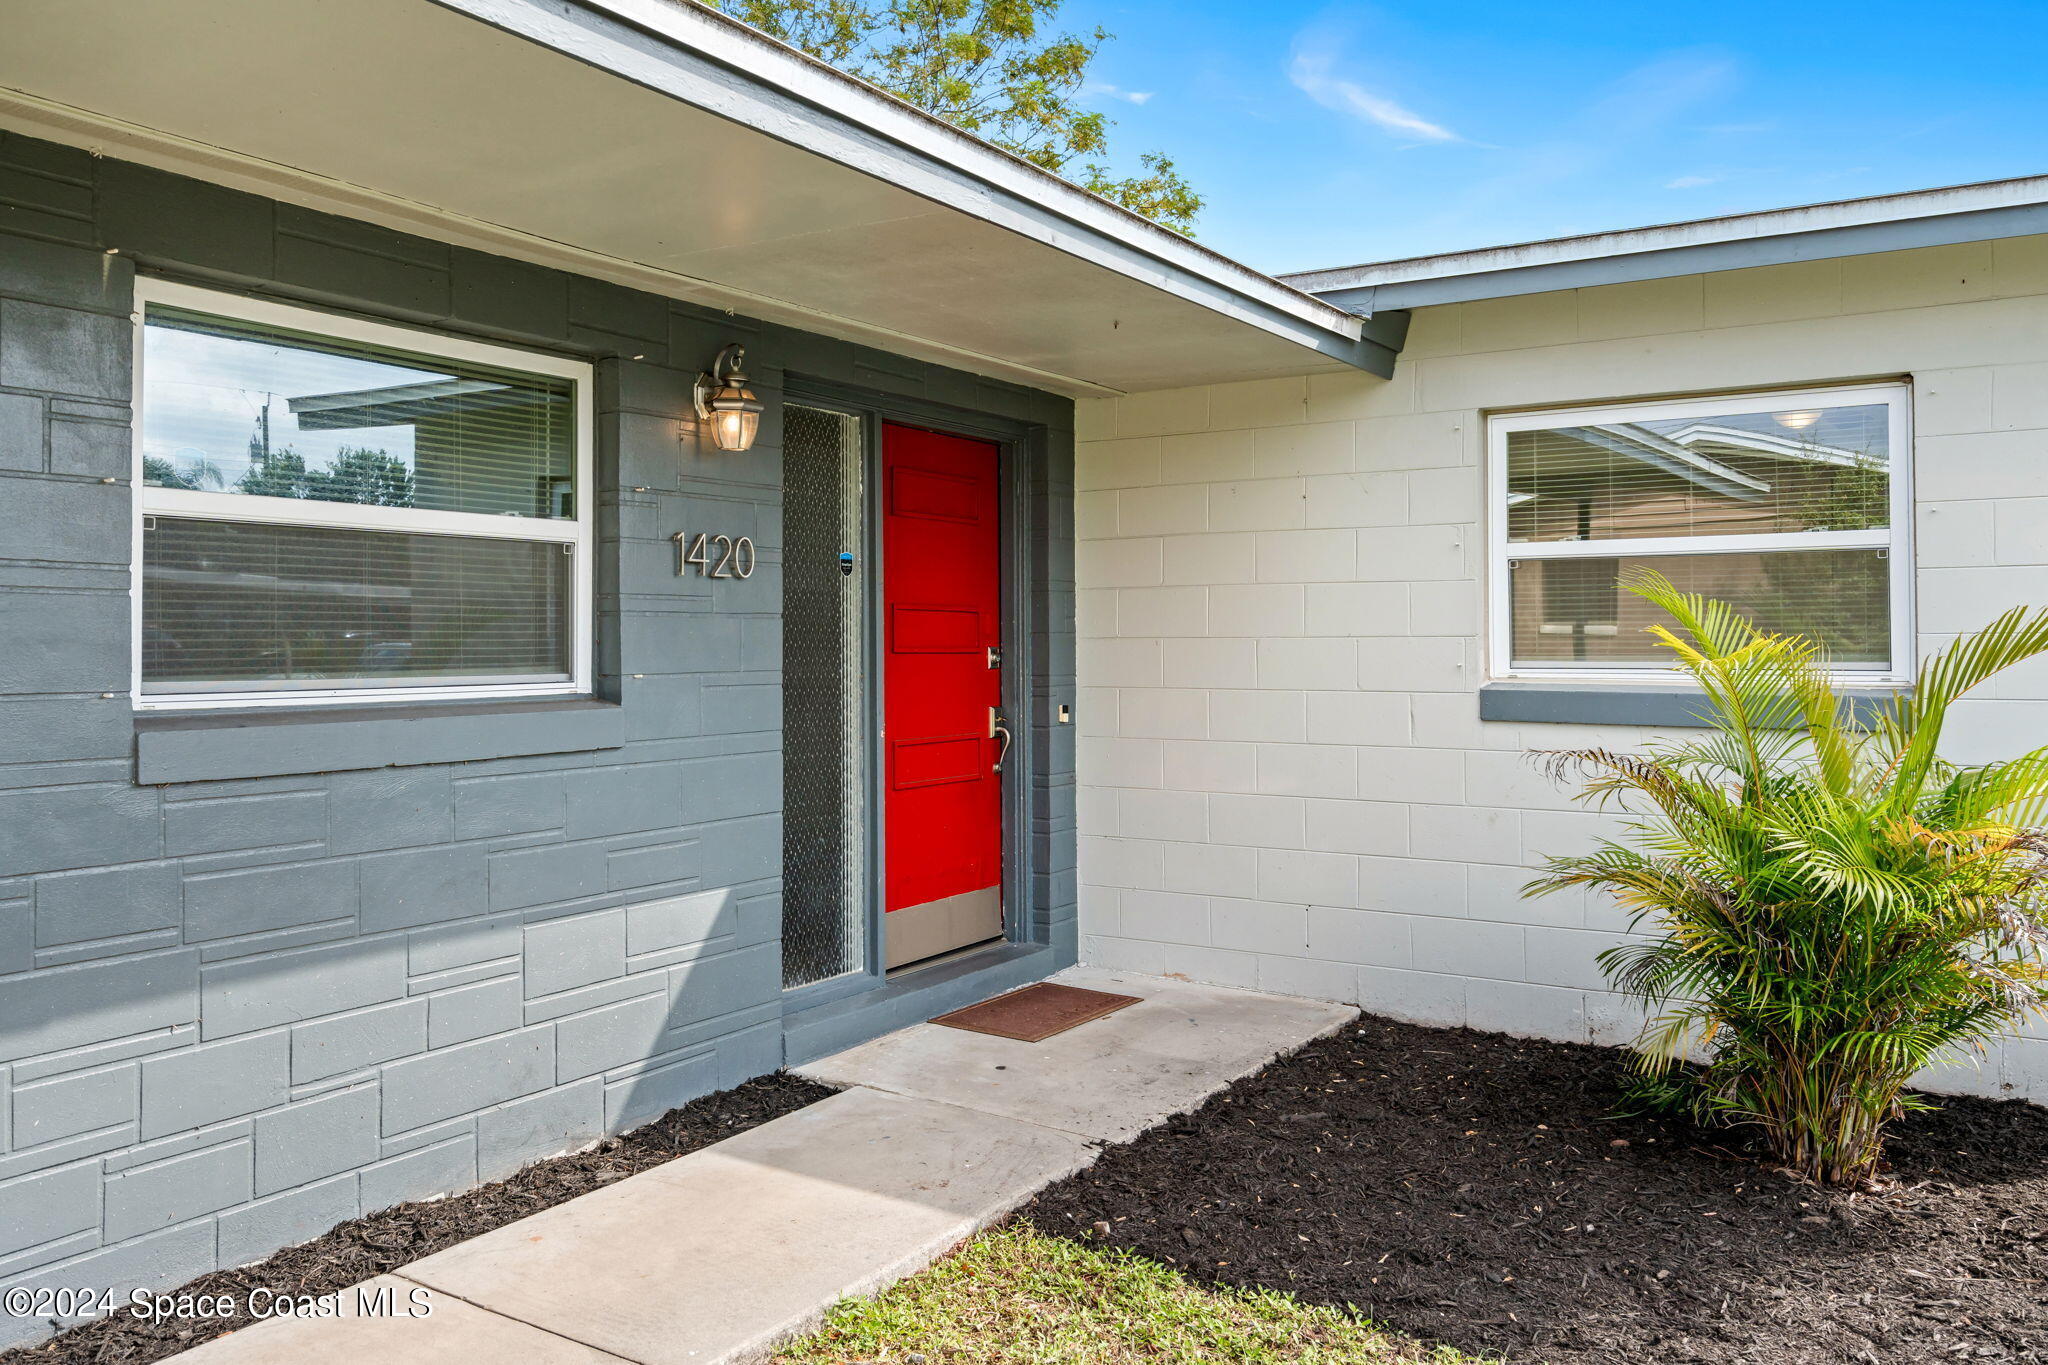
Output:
[[1827, 906], [1914, 727], [1160, 194], [983, 66]]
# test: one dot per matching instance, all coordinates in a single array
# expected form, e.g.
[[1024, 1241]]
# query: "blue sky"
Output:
[[1331, 134]]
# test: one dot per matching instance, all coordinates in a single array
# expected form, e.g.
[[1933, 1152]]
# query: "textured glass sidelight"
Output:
[[249, 607], [824, 697]]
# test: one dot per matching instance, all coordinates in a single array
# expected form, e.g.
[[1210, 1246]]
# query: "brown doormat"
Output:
[[1037, 1012]]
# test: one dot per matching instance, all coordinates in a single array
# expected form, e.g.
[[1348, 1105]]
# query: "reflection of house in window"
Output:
[[462, 427], [406, 520], [1624, 480], [1786, 514]]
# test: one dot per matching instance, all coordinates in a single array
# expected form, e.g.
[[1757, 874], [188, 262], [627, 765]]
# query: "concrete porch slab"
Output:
[[719, 1255], [1109, 1079]]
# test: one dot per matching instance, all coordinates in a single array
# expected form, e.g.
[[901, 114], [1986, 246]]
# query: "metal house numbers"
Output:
[[714, 556]]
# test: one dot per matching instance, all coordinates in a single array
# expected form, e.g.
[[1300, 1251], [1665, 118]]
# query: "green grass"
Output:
[[1017, 1297]]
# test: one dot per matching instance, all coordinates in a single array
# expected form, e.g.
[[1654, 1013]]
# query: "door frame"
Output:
[[1014, 446]]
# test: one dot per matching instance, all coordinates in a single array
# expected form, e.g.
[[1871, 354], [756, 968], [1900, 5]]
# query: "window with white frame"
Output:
[[1795, 507], [331, 509]]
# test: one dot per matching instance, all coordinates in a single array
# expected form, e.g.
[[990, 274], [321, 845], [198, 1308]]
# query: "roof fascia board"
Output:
[[705, 59], [2020, 192], [1698, 258], [1388, 327]]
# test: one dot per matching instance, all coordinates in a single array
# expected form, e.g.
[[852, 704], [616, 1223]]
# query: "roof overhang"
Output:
[[663, 146], [1850, 227]]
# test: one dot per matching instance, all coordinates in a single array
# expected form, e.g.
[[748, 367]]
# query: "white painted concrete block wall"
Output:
[[1284, 780]]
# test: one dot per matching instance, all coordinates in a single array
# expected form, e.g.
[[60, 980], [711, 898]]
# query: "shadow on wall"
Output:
[[169, 1116]]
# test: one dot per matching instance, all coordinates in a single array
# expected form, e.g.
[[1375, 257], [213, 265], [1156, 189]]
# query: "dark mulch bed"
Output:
[[1467, 1188], [364, 1247]]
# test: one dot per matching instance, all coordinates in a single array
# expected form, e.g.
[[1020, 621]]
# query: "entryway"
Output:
[[895, 735]]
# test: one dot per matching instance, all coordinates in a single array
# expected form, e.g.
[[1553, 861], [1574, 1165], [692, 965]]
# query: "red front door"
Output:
[[942, 690]]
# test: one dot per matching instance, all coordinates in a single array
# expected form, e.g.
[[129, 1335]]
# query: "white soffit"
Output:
[[679, 153]]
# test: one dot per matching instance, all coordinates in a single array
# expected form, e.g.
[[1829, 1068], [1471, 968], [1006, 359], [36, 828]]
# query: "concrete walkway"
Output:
[[719, 1255]]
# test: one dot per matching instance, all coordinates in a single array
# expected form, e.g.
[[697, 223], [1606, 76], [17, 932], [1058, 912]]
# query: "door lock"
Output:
[[995, 656], [998, 728]]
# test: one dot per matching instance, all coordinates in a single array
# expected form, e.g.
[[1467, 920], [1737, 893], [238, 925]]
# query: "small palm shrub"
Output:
[[1827, 906]]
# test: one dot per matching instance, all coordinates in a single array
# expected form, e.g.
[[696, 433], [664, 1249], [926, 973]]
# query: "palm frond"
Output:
[[1819, 904], [2016, 636]]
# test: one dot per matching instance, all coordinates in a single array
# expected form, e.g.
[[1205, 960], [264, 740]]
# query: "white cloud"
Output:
[[1311, 74], [1116, 92], [1690, 182]]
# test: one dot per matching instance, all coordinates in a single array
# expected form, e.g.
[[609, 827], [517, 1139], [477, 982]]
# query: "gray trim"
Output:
[[214, 746], [859, 404], [914, 996], [1018, 534], [1388, 327], [1596, 703], [1861, 239]]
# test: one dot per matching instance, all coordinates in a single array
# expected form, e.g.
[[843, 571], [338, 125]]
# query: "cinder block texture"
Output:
[[194, 1087], [1285, 780], [254, 978]]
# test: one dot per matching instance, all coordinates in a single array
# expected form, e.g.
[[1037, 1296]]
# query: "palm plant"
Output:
[[1828, 906]]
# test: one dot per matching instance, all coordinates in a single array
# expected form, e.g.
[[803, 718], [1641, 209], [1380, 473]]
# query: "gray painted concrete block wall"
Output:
[[374, 959]]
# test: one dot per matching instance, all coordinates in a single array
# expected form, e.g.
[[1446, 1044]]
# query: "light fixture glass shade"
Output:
[[1798, 421], [735, 418], [725, 405]]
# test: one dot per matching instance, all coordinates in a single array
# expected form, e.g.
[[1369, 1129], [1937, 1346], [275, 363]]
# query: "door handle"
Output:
[[998, 728]]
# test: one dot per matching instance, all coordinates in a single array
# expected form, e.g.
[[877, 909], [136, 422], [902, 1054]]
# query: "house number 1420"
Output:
[[714, 556]]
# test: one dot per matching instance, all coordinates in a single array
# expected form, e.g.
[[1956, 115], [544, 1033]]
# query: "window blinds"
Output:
[[1741, 474], [1575, 610], [238, 407], [246, 606], [328, 513], [1781, 505]]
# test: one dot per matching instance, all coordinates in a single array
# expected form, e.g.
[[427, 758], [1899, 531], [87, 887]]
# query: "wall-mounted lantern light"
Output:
[[726, 404]]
